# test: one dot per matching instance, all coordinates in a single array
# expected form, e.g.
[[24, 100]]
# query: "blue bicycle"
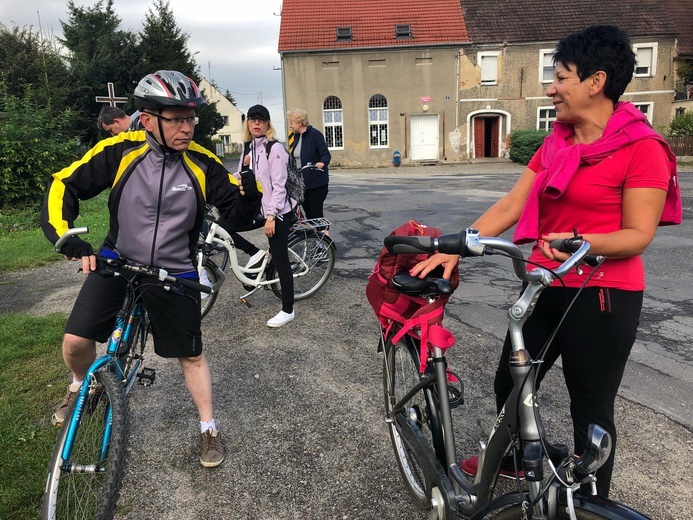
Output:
[[86, 466]]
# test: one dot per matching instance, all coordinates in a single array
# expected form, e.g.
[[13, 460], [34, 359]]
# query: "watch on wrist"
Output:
[[270, 218]]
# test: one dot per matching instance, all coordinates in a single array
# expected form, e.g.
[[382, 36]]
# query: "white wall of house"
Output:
[[231, 133]]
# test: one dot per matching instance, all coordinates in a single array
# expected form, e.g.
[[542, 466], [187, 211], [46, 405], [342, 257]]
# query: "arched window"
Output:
[[377, 120], [333, 119]]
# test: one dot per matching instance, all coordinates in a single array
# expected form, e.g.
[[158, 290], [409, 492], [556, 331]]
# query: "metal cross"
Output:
[[111, 99]]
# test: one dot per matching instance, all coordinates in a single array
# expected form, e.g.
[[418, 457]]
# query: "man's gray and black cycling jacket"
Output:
[[157, 199]]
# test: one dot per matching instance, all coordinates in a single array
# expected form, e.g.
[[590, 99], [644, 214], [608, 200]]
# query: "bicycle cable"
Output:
[[540, 359]]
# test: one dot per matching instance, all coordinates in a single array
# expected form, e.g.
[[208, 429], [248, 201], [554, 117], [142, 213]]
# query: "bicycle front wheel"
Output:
[[87, 485], [515, 512], [400, 375], [312, 258]]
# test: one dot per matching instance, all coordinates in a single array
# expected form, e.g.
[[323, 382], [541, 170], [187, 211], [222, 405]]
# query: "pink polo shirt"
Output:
[[592, 203]]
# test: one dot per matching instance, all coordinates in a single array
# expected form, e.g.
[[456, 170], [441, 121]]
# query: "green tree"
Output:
[[100, 53], [28, 59], [682, 125], [230, 97], [164, 46], [35, 140]]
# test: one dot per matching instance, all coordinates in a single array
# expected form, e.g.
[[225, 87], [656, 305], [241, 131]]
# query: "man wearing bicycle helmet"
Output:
[[159, 181]]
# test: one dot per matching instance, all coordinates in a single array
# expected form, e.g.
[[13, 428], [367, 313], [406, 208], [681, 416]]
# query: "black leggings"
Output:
[[594, 343], [315, 198], [280, 258]]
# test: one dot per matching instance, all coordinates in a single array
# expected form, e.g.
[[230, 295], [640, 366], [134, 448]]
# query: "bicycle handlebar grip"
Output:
[[453, 243], [191, 284], [401, 245], [572, 244]]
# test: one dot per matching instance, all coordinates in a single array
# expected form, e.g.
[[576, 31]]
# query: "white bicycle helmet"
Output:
[[167, 88]]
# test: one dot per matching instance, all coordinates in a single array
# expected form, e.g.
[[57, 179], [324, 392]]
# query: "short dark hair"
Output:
[[108, 115], [599, 47]]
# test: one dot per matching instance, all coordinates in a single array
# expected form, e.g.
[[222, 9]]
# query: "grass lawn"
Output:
[[33, 375], [32, 381]]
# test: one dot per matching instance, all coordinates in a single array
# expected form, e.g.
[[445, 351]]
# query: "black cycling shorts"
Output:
[[175, 318]]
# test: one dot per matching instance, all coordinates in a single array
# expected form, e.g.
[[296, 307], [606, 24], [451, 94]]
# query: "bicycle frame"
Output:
[[123, 332], [519, 421], [217, 235]]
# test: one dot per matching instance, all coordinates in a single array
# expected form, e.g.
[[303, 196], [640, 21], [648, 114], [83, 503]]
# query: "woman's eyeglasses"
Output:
[[178, 121], [257, 119]]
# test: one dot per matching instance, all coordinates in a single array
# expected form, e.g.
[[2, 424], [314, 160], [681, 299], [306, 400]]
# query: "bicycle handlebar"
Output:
[[469, 243], [69, 234], [151, 272], [312, 167]]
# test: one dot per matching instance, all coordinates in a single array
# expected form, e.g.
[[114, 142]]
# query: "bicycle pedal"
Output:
[[146, 376], [247, 302]]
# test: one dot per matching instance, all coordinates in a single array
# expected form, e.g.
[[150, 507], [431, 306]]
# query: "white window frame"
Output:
[[380, 121], [336, 117], [650, 108], [543, 54], [547, 119], [652, 68], [490, 57]]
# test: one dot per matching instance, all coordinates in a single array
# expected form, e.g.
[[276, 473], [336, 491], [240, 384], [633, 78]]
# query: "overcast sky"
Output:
[[236, 40]]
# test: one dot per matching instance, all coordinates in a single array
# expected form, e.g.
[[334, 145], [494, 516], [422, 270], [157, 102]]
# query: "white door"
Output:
[[424, 137]]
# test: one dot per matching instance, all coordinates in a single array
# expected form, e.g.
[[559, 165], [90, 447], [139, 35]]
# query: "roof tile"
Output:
[[493, 21], [312, 24]]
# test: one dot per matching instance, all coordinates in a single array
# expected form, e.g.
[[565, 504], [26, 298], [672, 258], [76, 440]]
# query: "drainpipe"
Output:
[[286, 121], [457, 92]]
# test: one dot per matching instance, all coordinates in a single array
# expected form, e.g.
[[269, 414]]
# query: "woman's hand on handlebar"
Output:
[[551, 253], [447, 261]]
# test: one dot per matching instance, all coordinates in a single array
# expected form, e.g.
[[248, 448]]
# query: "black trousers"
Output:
[[244, 245], [594, 343], [280, 258], [314, 200]]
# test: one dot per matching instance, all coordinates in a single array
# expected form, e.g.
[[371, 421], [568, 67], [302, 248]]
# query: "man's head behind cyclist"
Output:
[[167, 101], [113, 120]]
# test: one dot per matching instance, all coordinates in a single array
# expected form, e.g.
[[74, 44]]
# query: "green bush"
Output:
[[524, 143], [35, 142], [681, 125]]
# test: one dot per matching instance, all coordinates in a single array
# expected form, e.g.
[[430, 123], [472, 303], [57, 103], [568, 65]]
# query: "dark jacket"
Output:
[[313, 150]]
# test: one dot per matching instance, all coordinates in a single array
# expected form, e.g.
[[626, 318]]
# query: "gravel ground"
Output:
[[300, 409]]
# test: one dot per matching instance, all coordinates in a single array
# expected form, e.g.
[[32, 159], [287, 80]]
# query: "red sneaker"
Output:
[[470, 467]]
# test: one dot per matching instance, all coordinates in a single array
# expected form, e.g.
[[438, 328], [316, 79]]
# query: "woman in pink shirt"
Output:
[[605, 173]]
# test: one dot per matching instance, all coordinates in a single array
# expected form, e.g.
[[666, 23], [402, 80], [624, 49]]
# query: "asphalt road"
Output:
[[301, 408]]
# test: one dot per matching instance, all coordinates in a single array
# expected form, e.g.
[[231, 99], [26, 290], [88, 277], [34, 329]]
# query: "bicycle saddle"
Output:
[[424, 287]]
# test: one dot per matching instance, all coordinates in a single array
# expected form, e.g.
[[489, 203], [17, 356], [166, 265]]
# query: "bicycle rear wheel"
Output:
[[135, 353], [400, 374], [309, 251], [207, 303], [87, 485]]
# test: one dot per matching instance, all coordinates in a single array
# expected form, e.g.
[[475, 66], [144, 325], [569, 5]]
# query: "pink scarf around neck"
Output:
[[560, 161]]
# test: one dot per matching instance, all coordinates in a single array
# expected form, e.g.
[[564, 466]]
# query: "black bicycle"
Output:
[[419, 397]]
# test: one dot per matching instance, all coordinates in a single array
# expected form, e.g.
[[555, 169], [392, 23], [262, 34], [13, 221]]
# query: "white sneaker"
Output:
[[256, 259], [281, 319], [204, 280]]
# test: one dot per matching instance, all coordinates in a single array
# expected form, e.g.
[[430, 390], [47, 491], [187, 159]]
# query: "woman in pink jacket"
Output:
[[268, 159]]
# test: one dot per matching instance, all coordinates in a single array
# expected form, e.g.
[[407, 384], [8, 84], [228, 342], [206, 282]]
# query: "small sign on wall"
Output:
[[426, 99]]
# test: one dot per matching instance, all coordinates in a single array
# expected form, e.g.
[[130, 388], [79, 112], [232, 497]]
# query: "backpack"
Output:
[[295, 187], [415, 315]]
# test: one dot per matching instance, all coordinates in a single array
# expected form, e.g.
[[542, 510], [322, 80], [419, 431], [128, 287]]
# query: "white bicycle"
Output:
[[311, 253]]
